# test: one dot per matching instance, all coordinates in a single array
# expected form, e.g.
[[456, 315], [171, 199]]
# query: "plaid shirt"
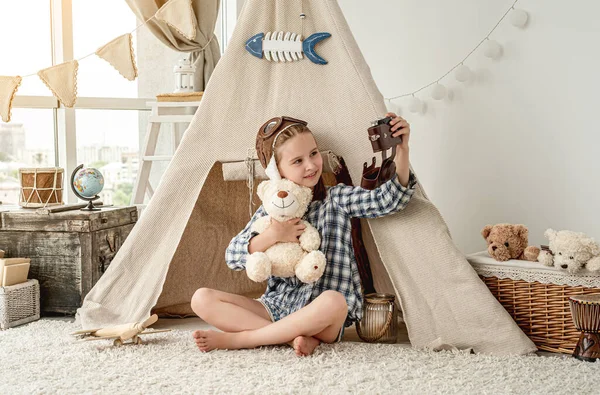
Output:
[[331, 217]]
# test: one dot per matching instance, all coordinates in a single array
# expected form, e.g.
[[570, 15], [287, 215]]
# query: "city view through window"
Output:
[[106, 140]]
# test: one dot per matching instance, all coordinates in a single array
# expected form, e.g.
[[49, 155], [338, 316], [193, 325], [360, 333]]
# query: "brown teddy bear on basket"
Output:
[[507, 241]]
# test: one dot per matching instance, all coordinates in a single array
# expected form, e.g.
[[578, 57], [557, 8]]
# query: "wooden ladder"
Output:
[[175, 113]]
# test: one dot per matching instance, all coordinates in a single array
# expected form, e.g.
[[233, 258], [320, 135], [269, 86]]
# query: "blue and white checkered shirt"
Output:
[[331, 217]]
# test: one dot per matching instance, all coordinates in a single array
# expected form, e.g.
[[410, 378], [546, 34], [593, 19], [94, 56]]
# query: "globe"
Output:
[[88, 182]]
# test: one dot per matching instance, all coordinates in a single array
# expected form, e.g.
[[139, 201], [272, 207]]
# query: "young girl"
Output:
[[302, 315]]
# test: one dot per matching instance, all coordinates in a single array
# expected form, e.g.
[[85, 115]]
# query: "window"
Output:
[[105, 141], [32, 50], [226, 20], [96, 23], [110, 116], [26, 142], [42, 133]]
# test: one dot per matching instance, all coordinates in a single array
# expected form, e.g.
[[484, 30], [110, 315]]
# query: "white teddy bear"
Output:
[[284, 200], [571, 251]]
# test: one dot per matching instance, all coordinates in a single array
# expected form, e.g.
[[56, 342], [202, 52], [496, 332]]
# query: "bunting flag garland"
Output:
[[181, 18], [120, 54], [62, 81], [8, 88]]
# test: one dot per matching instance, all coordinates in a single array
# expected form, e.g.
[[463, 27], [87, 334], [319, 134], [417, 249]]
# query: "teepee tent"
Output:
[[171, 248]]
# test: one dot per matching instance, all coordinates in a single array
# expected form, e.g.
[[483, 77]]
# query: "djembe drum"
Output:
[[585, 310], [41, 187]]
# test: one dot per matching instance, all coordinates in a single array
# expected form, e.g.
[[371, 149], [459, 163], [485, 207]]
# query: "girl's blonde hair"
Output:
[[319, 191]]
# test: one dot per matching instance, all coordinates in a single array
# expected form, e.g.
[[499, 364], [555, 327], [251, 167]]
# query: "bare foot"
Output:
[[305, 345], [211, 340]]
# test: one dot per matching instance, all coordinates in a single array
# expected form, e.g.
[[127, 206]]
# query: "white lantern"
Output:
[[438, 92], [462, 73], [415, 105], [491, 49], [184, 75], [518, 18]]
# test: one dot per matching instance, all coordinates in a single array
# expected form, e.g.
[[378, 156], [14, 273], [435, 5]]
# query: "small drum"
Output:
[[380, 321], [41, 187], [585, 310]]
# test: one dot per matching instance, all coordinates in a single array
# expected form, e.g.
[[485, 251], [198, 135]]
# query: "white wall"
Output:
[[520, 144]]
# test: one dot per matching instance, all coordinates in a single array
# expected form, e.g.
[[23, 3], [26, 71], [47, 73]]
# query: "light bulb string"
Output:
[[389, 99]]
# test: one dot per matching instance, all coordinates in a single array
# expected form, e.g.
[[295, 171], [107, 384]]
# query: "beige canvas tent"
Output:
[[179, 243]]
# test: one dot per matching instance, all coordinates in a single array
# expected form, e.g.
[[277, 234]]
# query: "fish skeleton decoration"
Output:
[[286, 46]]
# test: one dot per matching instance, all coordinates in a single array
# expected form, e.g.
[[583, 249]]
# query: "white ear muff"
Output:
[[271, 171]]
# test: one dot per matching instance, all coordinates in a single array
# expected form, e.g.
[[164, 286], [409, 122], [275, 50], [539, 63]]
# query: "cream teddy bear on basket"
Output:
[[570, 250], [284, 200]]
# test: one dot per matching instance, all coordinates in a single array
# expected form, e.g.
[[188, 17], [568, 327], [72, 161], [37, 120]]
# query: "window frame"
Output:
[[65, 133]]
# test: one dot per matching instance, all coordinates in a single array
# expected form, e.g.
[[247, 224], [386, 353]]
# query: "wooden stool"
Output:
[[585, 310], [176, 113]]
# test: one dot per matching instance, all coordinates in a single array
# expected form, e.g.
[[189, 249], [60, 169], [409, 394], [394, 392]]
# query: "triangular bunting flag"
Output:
[[119, 53], [179, 14], [62, 81], [8, 88]]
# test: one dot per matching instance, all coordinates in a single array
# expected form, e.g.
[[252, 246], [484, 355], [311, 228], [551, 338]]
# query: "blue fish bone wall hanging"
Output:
[[286, 46]]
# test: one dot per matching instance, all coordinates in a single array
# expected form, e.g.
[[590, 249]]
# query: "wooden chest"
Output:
[[69, 250]]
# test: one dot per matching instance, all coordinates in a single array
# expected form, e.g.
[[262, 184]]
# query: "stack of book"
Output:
[[13, 270]]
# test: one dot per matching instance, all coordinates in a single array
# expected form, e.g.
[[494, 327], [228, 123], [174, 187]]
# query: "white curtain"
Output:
[[204, 48]]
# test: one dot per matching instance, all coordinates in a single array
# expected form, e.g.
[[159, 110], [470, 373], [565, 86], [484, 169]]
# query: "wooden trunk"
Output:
[[69, 250]]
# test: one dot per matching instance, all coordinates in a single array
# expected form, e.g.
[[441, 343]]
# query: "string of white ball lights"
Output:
[[491, 49]]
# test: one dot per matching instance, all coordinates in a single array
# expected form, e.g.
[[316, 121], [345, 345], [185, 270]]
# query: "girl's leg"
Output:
[[322, 318], [229, 312], [236, 313]]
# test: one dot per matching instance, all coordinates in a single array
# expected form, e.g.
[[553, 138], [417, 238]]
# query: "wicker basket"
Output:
[[19, 304], [540, 308]]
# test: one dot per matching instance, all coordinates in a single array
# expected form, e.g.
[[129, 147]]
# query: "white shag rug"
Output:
[[42, 357]]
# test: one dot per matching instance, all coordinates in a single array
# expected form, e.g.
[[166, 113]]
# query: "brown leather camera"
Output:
[[380, 136]]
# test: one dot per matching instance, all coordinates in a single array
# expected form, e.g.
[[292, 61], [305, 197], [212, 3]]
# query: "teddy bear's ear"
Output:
[[522, 231], [305, 196], [485, 232], [262, 187], [592, 246], [550, 234], [595, 248]]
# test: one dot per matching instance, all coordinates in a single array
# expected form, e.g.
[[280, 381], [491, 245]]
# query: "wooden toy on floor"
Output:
[[120, 333]]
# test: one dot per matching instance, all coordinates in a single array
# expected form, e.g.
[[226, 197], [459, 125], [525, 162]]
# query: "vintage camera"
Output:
[[380, 136]]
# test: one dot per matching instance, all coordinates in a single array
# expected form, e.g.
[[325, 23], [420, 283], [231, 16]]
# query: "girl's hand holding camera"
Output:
[[399, 127]]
